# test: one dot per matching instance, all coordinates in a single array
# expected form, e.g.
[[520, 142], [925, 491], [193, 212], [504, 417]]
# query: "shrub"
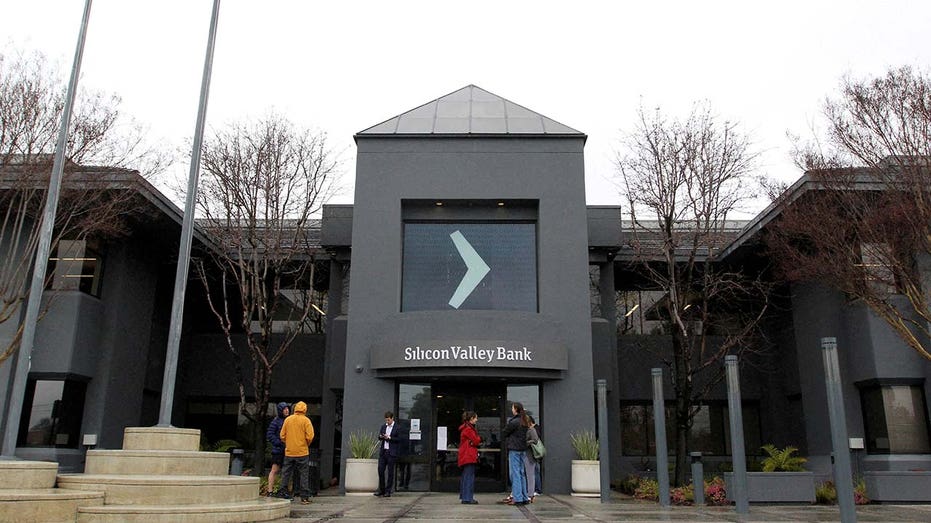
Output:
[[585, 445], [629, 485], [362, 444], [716, 492], [782, 460], [826, 493], [647, 489], [682, 495]]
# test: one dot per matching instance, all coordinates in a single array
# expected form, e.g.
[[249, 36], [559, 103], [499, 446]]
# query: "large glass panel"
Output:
[[435, 259], [529, 397], [414, 415], [55, 409], [895, 419]]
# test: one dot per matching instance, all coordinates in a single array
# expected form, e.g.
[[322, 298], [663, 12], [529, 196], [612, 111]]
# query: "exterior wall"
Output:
[[867, 349], [543, 169]]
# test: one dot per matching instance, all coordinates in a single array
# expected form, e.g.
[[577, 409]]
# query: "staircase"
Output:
[[162, 476], [28, 493]]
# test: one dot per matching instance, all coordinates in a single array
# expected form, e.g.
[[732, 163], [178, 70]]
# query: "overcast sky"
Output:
[[344, 66]]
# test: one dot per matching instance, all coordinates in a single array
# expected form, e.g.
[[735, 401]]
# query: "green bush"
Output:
[[362, 444], [825, 493], [647, 489], [585, 445], [782, 460]]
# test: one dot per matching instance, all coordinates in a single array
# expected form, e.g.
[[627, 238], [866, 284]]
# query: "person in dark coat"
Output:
[[515, 438], [469, 441], [391, 439], [273, 436]]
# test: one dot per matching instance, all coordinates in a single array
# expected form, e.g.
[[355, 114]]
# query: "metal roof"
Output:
[[470, 111]]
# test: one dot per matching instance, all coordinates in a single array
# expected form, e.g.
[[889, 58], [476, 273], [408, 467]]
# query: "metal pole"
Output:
[[187, 231], [738, 453], [843, 477], [659, 431], [47, 227], [604, 452], [698, 479]]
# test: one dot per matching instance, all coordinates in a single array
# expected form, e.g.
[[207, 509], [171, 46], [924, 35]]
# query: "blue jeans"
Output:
[[518, 478], [467, 483]]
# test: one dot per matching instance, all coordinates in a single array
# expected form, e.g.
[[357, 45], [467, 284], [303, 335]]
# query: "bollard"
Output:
[[843, 478], [236, 463], [698, 478], [604, 452], [738, 454], [659, 429]]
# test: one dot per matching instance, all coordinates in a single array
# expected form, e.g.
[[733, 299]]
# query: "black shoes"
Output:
[[473, 502], [305, 501], [382, 494]]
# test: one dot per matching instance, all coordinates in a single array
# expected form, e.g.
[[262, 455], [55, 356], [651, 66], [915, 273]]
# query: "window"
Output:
[[477, 266], [710, 429], [895, 419], [220, 419], [75, 266], [52, 413]]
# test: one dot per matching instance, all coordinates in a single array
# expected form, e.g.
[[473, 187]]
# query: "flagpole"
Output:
[[187, 231], [46, 229]]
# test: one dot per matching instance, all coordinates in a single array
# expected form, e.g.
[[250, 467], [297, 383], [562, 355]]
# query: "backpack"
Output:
[[537, 449]]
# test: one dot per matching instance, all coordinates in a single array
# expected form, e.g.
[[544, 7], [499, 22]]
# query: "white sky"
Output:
[[344, 66]]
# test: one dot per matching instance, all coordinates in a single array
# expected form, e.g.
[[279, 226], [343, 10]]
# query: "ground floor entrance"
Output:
[[432, 414]]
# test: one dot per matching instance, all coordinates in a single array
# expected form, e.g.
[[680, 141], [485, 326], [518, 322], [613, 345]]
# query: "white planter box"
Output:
[[776, 487], [586, 478], [361, 476]]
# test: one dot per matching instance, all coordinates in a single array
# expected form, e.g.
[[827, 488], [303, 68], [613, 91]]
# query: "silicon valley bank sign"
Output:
[[526, 354]]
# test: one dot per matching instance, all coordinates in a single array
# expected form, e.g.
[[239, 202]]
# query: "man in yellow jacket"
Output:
[[297, 432]]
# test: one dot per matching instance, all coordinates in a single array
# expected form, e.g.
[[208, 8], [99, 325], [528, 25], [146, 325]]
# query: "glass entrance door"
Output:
[[449, 402]]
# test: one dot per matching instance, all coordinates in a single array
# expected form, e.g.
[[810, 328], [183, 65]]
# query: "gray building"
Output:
[[467, 274]]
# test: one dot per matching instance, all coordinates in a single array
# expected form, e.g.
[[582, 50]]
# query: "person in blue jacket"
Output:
[[273, 436]]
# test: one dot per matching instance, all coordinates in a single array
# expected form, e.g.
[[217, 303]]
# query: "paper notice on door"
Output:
[[415, 424], [441, 438]]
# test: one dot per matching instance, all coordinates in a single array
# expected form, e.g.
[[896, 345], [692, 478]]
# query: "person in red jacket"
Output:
[[469, 441]]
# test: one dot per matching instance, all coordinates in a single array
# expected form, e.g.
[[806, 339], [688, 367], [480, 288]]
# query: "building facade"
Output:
[[467, 274]]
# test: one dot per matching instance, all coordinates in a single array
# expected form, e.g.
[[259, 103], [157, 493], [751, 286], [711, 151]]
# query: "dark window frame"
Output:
[[876, 385]]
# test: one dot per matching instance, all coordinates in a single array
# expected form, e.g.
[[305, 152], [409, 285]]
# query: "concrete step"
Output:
[[160, 438], [47, 505], [16, 474], [260, 509], [124, 489], [168, 462]]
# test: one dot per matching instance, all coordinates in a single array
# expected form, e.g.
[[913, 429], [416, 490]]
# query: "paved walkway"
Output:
[[442, 507]]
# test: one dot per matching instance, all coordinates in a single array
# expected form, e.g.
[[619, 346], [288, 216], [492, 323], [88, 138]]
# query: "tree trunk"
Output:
[[258, 435], [683, 391]]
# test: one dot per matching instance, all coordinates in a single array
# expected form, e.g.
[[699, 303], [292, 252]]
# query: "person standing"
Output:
[[515, 437], [530, 462], [273, 436], [297, 432], [469, 441], [391, 437]]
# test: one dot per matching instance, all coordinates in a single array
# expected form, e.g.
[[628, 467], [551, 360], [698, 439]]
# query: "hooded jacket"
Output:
[[469, 441], [272, 435], [297, 432]]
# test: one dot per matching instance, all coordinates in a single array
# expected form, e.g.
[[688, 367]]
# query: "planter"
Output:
[[586, 478], [899, 486], [361, 476], [777, 487]]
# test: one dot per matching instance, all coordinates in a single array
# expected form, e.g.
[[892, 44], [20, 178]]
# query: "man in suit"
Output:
[[391, 438]]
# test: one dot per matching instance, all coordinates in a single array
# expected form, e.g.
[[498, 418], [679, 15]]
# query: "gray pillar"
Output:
[[328, 408], [609, 313], [698, 478], [604, 448], [843, 476], [737, 491], [659, 430]]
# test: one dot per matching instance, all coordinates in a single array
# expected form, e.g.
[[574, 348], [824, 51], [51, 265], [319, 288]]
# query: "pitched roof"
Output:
[[470, 111]]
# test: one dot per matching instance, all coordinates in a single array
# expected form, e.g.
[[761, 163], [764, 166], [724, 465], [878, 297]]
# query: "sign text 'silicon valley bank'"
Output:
[[468, 353]]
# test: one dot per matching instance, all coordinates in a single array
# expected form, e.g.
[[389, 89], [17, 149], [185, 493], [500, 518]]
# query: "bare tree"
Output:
[[93, 200], [865, 229], [263, 184], [682, 180]]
